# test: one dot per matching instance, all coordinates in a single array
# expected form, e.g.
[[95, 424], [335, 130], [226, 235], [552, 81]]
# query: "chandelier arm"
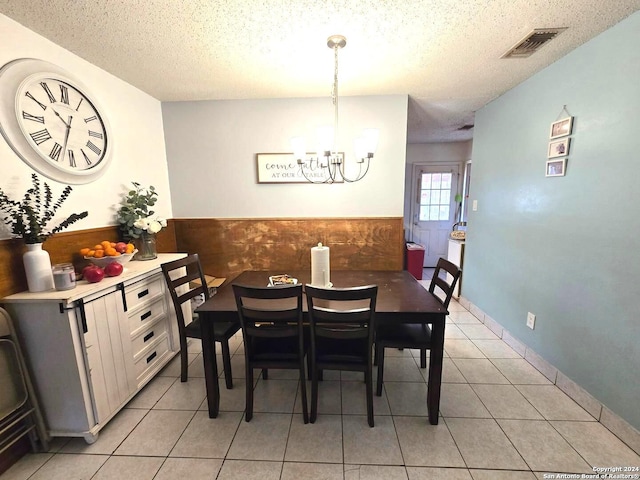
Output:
[[311, 180], [331, 168], [360, 175]]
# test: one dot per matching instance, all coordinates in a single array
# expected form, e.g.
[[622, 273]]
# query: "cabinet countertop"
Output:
[[83, 288]]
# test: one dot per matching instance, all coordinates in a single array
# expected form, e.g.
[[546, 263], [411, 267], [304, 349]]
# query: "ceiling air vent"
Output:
[[532, 42]]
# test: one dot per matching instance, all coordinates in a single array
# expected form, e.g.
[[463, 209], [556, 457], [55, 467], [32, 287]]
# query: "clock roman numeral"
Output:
[[34, 118], [64, 94], [90, 119], [86, 159], [79, 103], [44, 85], [43, 106], [72, 158], [55, 152], [94, 134], [93, 148], [40, 136]]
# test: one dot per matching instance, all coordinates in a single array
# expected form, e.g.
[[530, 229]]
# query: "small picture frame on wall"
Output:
[[561, 128], [559, 148], [556, 168]]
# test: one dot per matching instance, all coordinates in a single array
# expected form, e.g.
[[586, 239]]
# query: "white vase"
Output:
[[37, 266]]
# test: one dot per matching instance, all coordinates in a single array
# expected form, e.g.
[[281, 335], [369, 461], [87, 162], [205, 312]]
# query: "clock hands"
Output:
[[68, 125], [66, 134]]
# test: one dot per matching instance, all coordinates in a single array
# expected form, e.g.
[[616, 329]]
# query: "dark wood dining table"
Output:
[[401, 298]]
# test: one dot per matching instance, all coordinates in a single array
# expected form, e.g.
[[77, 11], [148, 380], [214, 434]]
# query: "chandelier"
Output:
[[328, 165]]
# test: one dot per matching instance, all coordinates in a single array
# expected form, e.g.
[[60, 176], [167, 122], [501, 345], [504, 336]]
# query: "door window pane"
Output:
[[435, 196]]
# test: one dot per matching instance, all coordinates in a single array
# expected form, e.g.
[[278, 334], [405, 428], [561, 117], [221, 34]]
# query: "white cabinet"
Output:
[[92, 348], [455, 254]]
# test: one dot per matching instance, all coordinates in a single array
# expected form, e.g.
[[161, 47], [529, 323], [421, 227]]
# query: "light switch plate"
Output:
[[475, 205], [531, 320]]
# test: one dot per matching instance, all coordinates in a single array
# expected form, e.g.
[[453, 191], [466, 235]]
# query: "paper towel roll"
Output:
[[320, 267]]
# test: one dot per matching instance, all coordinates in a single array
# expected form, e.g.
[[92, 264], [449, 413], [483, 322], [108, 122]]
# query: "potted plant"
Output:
[[29, 219], [137, 221]]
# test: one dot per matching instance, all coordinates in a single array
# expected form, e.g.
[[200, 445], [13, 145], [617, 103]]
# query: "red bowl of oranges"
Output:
[[106, 252]]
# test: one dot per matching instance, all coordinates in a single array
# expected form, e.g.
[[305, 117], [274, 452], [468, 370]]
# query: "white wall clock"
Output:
[[52, 122]]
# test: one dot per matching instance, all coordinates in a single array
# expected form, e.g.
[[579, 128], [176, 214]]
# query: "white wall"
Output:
[[136, 128], [212, 147]]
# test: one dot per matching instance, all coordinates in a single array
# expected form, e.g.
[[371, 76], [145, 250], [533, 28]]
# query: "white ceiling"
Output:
[[445, 54]]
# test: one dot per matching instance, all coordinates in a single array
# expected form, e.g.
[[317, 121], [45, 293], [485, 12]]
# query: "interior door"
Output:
[[434, 209]]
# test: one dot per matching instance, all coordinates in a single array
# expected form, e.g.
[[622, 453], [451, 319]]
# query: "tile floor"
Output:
[[500, 419]]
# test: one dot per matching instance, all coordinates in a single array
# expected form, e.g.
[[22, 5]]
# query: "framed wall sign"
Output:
[[284, 168], [556, 168]]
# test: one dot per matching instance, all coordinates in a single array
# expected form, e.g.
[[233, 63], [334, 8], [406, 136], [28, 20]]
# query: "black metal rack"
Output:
[[19, 412]]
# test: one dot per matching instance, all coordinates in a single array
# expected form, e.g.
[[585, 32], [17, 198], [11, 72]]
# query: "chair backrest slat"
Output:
[[269, 312], [446, 285], [182, 272], [332, 313]]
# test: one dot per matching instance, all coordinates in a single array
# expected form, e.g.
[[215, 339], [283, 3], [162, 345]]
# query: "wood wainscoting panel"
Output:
[[64, 247], [227, 247]]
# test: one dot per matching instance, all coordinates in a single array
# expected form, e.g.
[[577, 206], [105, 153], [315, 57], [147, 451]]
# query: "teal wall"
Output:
[[566, 248]]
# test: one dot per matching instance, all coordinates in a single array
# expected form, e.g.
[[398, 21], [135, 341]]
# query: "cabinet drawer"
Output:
[[148, 336], [144, 291], [142, 317], [150, 357]]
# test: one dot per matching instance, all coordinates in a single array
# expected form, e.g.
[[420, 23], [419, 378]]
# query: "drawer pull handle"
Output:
[[143, 293], [151, 357], [148, 336], [144, 316]]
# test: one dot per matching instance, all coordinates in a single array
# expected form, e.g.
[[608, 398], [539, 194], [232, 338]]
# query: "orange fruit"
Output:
[[91, 253], [105, 244], [85, 251], [98, 247], [99, 254], [111, 252], [130, 248]]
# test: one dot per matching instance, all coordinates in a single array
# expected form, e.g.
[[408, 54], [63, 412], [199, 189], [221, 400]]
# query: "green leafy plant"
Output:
[[135, 214], [29, 217]]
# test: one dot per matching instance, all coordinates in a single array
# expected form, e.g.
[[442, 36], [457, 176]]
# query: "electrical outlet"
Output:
[[531, 320], [474, 205]]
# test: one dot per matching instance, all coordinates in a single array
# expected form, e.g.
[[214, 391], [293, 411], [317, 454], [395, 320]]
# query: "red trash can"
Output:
[[414, 256]]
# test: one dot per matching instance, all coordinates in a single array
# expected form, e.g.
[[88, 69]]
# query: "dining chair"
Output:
[[273, 331], [415, 335], [342, 325], [179, 275]]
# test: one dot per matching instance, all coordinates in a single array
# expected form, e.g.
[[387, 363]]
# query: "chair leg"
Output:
[[226, 362], [249, 391], [184, 361], [303, 392], [314, 393], [369, 384], [423, 358], [380, 355]]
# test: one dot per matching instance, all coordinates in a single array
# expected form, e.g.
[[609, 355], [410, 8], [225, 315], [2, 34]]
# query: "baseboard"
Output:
[[613, 422]]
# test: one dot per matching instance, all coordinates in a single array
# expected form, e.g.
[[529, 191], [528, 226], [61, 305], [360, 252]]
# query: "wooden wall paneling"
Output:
[[229, 246]]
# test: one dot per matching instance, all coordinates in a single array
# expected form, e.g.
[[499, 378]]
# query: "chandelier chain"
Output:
[[335, 97]]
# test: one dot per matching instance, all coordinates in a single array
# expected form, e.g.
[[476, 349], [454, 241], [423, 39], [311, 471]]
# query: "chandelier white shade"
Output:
[[327, 165]]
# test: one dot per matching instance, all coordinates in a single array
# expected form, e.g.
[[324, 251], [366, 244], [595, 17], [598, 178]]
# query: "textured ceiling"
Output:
[[445, 54]]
